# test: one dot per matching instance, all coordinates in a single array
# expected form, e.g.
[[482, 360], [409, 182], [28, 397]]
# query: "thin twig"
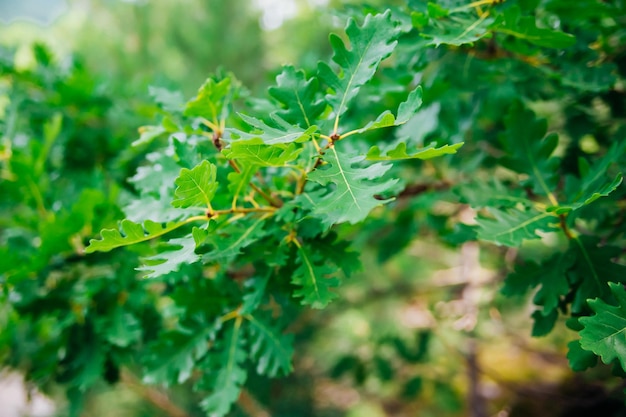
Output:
[[155, 397]]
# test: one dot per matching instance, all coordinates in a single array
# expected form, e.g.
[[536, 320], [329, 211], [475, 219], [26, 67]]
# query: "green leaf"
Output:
[[238, 182], [354, 192], [399, 153], [315, 277], [590, 193], [511, 227], [223, 371], [282, 132], [550, 274], [132, 233], [271, 349], [604, 333], [196, 187], [210, 100], [527, 152], [435, 11], [230, 238], [595, 268], [173, 356], [579, 358], [121, 328], [256, 288], [524, 27], [170, 101], [154, 178], [406, 110], [457, 30], [181, 251], [147, 134], [370, 44], [554, 283], [594, 79], [543, 322], [482, 193], [262, 155], [298, 96], [593, 183]]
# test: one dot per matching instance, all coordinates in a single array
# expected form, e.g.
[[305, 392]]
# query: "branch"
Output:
[[155, 397], [413, 190]]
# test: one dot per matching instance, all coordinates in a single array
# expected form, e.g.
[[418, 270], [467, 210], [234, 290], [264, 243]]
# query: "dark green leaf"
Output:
[[523, 27], [511, 227], [298, 96], [223, 371], [174, 355], [605, 332], [315, 279], [529, 152], [271, 349], [355, 189], [579, 358]]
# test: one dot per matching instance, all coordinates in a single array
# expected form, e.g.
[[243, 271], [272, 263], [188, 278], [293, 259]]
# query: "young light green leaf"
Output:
[[511, 227], [197, 186], [604, 333], [301, 106], [210, 100], [370, 44], [283, 132], [399, 153], [262, 155], [147, 134], [355, 189], [271, 349], [132, 233]]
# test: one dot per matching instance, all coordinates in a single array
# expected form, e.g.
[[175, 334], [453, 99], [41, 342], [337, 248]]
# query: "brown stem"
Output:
[[413, 190], [249, 405], [475, 398], [217, 140], [155, 397], [564, 227], [276, 202]]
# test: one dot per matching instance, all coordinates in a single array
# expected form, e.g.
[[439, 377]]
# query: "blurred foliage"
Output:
[[437, 322]]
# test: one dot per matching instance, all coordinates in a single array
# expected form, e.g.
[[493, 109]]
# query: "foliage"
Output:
[[242, 213]]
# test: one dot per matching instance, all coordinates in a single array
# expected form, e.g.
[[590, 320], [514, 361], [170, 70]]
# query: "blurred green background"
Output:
[[366, 355]]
